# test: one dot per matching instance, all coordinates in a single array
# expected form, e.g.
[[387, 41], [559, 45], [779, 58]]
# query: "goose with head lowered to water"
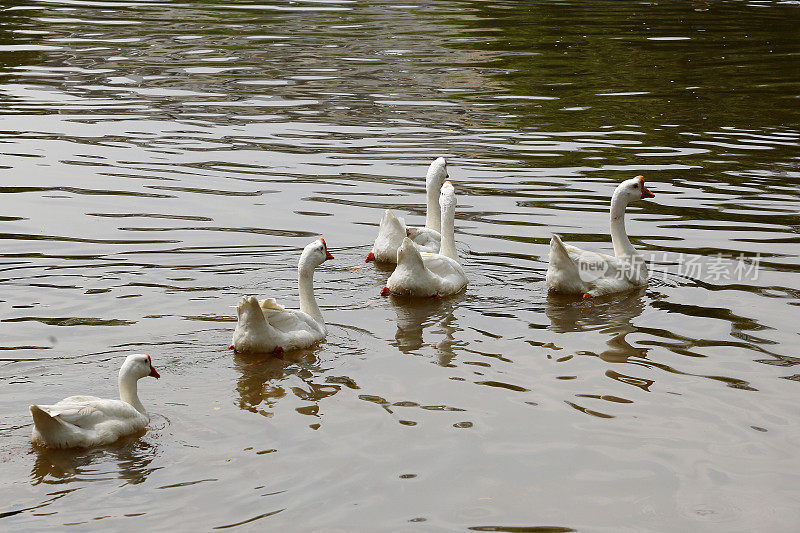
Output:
[[266, 327], [83, 421], [577, 271], [430, 274], [393, 230]]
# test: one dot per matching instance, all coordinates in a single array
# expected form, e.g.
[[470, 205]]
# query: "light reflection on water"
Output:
[[160, 160]]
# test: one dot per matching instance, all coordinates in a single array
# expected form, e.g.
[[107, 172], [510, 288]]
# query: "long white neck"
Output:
[[433, 218], [448, 245], [619, 237], [308, 304], [127, 391]]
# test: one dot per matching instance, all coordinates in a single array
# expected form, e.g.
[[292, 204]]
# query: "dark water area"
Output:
[[158, 160]]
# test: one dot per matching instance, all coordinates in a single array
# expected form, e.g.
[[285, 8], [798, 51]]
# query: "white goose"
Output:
[[82, 421], [393, 230], [573, 270], [430, 274], [265, 326]]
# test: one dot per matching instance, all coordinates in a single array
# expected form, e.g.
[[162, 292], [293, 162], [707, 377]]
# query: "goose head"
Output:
[[314, 254], [437, 174], [632, 190], [137, 366]]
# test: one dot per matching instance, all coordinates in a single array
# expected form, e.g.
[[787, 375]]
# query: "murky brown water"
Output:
[[159, 160]]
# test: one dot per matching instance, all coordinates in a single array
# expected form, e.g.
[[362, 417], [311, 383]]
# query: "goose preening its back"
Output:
[[430, 274], [393, 230], [573, 270], [265, 326], [83, 421]]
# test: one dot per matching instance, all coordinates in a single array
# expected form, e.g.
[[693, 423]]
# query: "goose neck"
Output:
[[619, 237], [128, 391], [433, 218], [308, 303], [448, 243]]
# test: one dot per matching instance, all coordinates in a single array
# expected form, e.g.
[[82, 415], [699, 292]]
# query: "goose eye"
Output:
[[635, 185]]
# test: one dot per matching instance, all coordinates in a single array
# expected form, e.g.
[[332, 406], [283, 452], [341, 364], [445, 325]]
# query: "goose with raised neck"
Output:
[[128, 390], [305, 279], [83, 421], [430, 274], [573, 270], [264, 326], [434, 179], [393, 230], [619, 202], [448, 220]]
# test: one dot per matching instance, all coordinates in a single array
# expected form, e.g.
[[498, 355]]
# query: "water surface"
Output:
[[159, 160]]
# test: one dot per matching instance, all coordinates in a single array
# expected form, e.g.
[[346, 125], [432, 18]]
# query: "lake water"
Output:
[[160, 159]]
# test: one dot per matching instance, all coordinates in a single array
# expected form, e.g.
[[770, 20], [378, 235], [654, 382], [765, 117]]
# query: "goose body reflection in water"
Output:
[[263, 382], [415, 315], [614, 314], [610, 313], [130, 456]]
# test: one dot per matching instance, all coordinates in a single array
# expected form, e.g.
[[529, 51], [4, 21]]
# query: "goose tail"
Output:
[[45, 424], [391, 223], [408, 255], [559, 256], [562, 272], [252, 329], [390, 234], [249, 310]]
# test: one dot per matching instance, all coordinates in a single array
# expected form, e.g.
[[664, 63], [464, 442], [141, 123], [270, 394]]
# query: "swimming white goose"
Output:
[[265, 326], [83, 421], [430, 274], [573, 270], [393, 230]]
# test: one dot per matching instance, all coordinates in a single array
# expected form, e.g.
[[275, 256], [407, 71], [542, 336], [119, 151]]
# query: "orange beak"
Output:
[[370, 257], [645, 191], [153, 372], [327, 253]]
